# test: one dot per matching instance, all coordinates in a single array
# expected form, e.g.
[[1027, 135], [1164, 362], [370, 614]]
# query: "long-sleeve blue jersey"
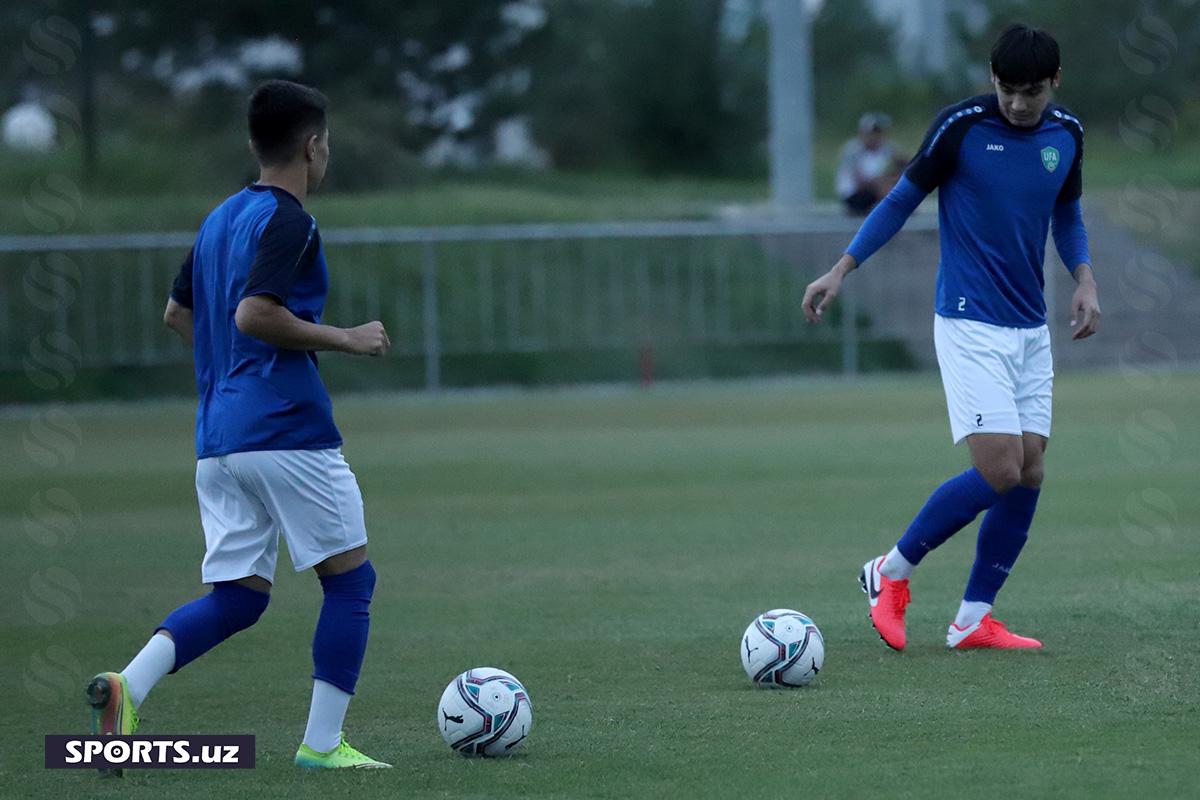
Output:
[[1000, 186]]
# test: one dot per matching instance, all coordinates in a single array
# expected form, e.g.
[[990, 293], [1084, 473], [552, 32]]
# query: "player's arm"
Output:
[[287, 247], [1071, 241], [178, 314], [933, 163], [264, 317], [1085, 304], [178, 318], [1070, 238], [880, 226]]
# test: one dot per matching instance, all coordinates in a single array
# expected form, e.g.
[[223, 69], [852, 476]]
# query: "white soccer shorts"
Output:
[[997, 380], [248, 499]]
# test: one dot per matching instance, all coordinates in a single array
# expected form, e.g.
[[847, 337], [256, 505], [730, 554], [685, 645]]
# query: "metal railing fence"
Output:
[[459, 290]]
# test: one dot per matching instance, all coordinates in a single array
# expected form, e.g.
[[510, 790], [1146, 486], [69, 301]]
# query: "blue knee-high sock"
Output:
[[204, 623], [341, 637], [947, 511], [1002, 534]]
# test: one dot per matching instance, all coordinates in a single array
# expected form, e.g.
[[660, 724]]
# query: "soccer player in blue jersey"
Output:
[[1008, 167], [249, 298]]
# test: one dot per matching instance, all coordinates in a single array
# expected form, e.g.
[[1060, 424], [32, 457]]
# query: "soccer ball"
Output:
[[485, 712], [782, 648]]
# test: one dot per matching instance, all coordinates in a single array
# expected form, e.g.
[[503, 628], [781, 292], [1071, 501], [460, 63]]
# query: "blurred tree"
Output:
[[1121, 52], [399, 79], [852, 54], [657, 85], [651, 85]]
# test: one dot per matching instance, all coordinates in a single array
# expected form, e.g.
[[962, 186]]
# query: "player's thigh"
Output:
[[977, 363], [314, 498], [240, 537], [1035, 382]]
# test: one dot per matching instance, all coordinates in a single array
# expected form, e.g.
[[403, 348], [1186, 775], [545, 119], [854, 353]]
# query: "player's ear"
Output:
[[310, 147], [1056, 81]]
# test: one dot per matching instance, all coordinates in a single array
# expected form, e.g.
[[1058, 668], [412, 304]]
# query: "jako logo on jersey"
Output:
[[1050, 158], [996, 147]]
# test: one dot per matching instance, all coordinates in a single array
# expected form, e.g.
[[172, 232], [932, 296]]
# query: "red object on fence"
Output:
[[646, 365]]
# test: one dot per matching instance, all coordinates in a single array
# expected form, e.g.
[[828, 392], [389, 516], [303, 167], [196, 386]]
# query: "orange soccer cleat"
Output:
[[888, 599], [988, 633]]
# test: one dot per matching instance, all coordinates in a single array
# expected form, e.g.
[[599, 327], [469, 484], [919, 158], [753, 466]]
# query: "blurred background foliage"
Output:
[[517, 111], [424, 92]]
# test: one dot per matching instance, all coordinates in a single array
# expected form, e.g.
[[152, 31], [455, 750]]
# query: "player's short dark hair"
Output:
[[281, 115], [1024, 55]]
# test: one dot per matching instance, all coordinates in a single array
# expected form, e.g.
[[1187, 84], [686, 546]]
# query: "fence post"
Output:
[[429, 294], [849, 301]]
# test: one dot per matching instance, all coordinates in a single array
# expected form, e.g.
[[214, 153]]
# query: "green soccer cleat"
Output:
[[112, 710], [341, 757]]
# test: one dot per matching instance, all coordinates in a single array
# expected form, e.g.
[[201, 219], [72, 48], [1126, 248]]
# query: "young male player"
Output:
[[1008, 167], [249, 298]]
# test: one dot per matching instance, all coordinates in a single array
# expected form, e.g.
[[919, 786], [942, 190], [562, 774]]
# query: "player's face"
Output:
[[1023, 104], [317, 154]]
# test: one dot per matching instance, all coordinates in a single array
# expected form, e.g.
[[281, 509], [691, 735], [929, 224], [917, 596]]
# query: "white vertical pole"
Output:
[[791, 104], [935, 44]]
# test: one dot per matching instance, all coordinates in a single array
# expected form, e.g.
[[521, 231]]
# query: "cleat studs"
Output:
[[98, 693]]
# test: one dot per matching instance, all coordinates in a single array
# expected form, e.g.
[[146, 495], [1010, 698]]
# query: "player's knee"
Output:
[[1002, 476], [1032, 475], [355, 584], [240, 606]]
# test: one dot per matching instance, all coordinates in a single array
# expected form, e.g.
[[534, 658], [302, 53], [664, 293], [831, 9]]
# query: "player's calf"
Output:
[[202, 624], [339, 644]]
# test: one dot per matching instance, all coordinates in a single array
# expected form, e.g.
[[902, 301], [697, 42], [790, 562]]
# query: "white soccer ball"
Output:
[[782, 648], [485, 712]]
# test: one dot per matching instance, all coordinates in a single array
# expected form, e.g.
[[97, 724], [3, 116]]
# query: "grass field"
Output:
[[609, 547]]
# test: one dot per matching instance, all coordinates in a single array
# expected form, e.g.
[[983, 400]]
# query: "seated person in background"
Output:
[[868, 166]]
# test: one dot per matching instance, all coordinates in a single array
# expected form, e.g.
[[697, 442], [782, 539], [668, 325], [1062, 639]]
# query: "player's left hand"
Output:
[[1085, 309], [820, 293]]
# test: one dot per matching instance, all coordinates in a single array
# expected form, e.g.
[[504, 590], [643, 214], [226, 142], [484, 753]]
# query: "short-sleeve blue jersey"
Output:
[[999, 188], [253, 395]]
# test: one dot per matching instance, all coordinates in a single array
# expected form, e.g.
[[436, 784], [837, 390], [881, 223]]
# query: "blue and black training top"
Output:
[[1000, 187], [253, 395]]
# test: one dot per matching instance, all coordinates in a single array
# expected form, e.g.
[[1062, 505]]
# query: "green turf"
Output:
[[609, 548]]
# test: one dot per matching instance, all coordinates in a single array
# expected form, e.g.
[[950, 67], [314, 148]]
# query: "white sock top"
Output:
[[970, 613], [325, 716], [896, 567], [149, 667]]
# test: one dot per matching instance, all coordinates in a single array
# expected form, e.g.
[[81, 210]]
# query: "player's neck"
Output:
[[291, 180]]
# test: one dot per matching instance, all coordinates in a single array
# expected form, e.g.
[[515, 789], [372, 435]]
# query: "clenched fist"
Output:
[[368, 340]]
